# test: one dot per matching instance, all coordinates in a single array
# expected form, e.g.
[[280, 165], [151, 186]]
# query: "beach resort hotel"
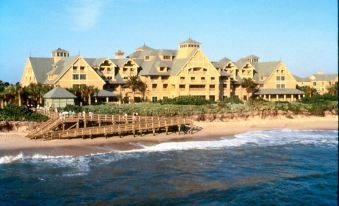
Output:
[[168, 73]]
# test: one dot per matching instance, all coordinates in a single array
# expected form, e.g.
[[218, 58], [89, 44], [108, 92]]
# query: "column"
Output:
[[284, 97]]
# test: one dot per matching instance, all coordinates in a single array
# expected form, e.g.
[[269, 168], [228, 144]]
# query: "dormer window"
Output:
[[162, 69], [166, 57]]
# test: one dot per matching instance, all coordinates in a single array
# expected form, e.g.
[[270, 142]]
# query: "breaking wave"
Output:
[[257, 138]]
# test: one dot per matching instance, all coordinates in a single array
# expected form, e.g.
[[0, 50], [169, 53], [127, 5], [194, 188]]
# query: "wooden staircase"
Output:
[[91, 125]]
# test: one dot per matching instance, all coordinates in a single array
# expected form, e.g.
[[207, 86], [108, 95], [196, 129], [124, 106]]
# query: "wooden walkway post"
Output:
[[153, 129]]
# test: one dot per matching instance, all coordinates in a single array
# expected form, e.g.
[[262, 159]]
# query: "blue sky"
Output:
[[302, 33]]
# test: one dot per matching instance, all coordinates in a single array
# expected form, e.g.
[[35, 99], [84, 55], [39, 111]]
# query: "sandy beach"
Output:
[[12, 143]]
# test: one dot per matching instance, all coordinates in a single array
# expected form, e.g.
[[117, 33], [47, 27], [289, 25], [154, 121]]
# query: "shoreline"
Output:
[[13, 143]]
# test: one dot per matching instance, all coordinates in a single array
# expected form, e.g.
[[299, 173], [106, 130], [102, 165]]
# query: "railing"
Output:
[[118, 124]]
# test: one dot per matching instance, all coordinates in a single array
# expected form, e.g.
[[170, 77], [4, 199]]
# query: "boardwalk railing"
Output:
[[104, 125]]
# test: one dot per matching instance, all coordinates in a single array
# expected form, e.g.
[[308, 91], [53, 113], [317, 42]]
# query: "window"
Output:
[[165, 86], [280, 78], [205, 70], [154, 77], [164, 97], [164, 77], [154, 99], [82, 68], [162, 69], [182, 86], [212, 86], [74, 68], [182, 78], [82, 76], [192, 78], [166, 57], [154, 86], [314, 83], [203, 78], [146, 57], [281, 86], [75, 76], [212, 78]]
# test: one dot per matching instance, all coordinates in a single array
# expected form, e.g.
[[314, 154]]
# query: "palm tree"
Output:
[[86, 92], [333, 90], [309, 91], [134, 83], [36, 92], [250, 85]]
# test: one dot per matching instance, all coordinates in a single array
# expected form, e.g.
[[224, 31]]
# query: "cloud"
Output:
[[84, 14]]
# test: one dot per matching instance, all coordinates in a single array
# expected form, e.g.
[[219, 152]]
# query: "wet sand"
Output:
[[12, 143]]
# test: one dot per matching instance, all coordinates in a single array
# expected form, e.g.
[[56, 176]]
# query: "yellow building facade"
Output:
[[319, 81], [167, 73]]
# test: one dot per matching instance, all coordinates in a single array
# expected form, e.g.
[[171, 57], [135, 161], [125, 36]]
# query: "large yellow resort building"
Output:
[[168, 73]]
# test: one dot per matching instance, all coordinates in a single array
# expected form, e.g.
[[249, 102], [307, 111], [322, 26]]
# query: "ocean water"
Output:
[[275, 167]]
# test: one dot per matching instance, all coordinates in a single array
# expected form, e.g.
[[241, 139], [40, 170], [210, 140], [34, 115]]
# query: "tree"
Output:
[[86, 92], [135, 84], [36, 92], [333, 90], [309, 91], [250, 86]]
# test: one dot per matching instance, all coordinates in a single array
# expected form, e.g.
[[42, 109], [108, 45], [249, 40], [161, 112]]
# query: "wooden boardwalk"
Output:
[[91, 125]]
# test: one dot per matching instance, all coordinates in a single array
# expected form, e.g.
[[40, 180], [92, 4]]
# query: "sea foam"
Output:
[[257, 138]]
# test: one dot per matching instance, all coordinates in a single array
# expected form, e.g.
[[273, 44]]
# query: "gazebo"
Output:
[[104, 94], [59, 97]]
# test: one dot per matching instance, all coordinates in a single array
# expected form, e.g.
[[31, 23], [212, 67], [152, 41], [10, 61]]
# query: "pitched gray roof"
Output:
[[94, 62], [59, 93], [325, 77], [279, 91], [301, 79], [264, 69], [41, 66], [144, 47], [59, 50], [190, 41], [104, 93]]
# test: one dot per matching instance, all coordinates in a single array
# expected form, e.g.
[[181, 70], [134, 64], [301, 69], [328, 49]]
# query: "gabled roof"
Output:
[[59, 93], [177, 64], [104, 93], [189, 41], [265, 69], [242, 62], [41, 66], [63, 65], [325, 77], [95, 62]]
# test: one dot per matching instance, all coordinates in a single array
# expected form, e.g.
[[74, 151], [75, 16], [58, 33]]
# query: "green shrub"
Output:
[[318, 98], [186, 100], [16, 113], [232, 99], [74, 108]]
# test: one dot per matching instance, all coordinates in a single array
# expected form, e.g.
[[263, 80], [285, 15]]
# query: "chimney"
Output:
[[119, 54]]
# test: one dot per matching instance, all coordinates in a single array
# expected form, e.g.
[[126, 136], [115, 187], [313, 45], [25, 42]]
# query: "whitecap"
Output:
[[11, 158]]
